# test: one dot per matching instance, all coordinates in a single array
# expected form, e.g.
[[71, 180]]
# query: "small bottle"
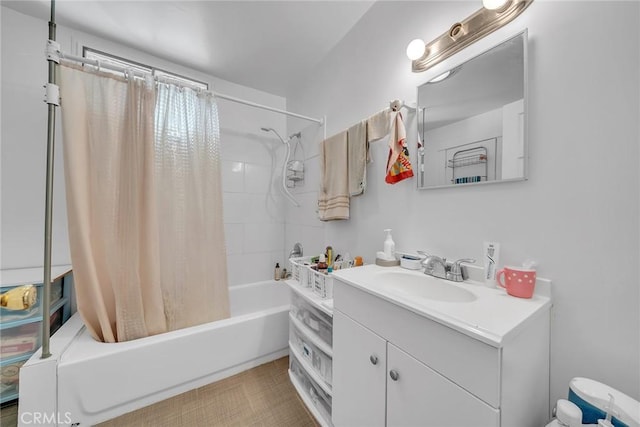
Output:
[[322, 263], [347, 261], [276, 274], [329, 256], [284, 273]]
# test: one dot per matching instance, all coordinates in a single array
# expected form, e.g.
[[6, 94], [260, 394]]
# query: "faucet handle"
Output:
[[458, 274]]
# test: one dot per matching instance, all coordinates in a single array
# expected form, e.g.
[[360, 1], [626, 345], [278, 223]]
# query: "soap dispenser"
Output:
[[389, 246]]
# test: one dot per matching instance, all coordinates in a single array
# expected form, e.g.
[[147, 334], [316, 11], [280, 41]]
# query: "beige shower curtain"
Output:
[[144, 204]]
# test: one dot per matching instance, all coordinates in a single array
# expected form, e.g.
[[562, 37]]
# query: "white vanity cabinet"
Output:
[[360, 377], [415, 394], [394, 367]]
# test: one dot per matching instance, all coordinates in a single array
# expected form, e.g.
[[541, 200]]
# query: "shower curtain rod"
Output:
[[118, 68]]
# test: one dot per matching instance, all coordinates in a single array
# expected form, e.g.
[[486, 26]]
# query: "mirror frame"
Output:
[[453, 66]]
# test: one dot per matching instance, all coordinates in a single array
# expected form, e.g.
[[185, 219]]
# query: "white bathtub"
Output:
[[95, 381]]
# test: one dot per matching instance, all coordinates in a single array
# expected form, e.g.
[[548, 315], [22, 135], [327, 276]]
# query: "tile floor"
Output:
[[262, 396]]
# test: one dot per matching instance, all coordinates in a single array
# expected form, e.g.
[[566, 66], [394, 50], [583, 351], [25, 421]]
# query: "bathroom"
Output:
[[577, 214]]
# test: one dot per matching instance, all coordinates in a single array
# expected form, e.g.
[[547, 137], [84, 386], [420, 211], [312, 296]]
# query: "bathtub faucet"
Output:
[[296, 252]]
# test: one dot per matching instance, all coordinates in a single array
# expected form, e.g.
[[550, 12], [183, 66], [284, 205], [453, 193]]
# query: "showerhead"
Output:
[[284, 165], [276, 132]]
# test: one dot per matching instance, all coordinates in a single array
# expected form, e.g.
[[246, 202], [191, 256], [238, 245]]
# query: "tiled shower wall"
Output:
[[253, 205]]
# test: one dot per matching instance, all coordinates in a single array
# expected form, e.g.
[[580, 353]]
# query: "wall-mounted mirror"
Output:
[[472, 120]]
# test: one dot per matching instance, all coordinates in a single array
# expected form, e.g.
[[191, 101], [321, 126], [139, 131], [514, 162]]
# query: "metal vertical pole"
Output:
[[48, 212]]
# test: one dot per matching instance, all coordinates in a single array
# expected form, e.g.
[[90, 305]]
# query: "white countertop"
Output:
[[492, 317]]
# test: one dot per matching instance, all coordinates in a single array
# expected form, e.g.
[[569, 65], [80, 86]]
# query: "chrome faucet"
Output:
[[441, 268], [296, 252], [434, 265]]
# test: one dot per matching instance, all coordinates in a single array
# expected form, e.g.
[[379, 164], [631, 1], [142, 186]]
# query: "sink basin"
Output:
[[422, 286]]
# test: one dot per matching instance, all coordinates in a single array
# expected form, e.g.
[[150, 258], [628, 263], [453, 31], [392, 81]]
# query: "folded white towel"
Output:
[[358, 155], [333, 197]]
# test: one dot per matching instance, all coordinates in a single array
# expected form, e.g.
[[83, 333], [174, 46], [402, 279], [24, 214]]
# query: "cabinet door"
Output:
[[359, 358], [421, 397]]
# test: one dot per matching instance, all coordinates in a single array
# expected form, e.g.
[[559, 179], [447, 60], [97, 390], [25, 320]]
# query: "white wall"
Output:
[[578, 212], [253, 206], [444, 141]]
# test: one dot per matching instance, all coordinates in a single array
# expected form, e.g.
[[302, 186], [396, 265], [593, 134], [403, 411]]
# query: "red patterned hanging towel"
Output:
[[398, 164]]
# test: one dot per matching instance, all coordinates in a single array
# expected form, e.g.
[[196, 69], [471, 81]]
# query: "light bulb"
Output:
[[415, 49], [493, 4]]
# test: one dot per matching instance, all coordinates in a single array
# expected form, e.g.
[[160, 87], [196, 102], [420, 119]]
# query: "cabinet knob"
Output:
[[394, 375], [373, 359]]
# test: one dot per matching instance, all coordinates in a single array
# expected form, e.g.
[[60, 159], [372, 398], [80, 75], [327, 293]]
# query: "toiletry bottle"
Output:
[[329, 253], [389, 246], [322, 264], [347, 261], [276, 274], [491, 257]]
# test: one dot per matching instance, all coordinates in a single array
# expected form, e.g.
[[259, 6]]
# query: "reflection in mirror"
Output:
[[471, 120]]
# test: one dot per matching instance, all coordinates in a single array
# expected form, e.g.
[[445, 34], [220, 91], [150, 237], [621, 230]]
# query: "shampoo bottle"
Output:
[[276, 274], [389, 246]]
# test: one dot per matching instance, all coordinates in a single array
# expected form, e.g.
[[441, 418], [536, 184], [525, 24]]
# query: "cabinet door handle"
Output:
[[373, 359], [394, 375]]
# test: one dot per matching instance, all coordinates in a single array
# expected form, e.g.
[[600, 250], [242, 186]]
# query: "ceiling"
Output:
[[267, 45]]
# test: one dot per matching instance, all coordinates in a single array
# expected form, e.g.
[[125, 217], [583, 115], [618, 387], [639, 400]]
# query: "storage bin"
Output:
[[320, 399], [316, 358], [300, 270], [322, 284], [316, 320]]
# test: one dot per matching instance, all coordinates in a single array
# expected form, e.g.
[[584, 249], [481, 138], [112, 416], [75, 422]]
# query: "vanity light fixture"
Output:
[[495, 14]]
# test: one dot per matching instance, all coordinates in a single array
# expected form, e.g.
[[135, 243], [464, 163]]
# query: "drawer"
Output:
[[20, 340], [469, 363], [25, 338], [320, 323], [311, 354], [12, 315], [320, 399], [9, 375]]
